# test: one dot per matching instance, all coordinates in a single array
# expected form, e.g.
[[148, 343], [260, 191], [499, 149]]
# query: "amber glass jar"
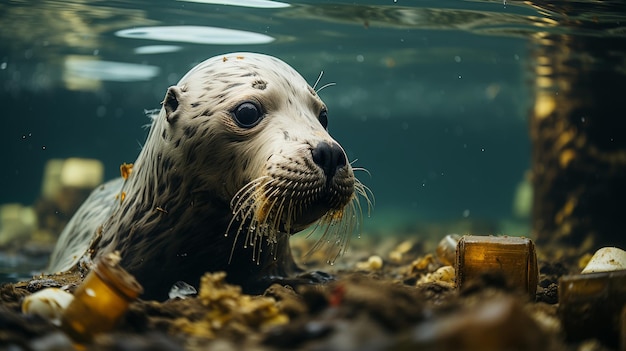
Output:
[[591, 304], [513, 258], [100, 300]]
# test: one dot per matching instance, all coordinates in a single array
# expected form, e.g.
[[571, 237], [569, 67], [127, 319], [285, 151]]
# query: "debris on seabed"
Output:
[[373, 263], [606, 259], [181, 290], [229, 311], [101, 300], [48, 303], [411, 302]]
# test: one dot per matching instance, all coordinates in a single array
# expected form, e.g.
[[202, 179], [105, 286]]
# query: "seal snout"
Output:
[[329, 157]]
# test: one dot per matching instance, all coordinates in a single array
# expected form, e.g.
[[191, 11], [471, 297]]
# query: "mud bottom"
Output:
[[392, 300]]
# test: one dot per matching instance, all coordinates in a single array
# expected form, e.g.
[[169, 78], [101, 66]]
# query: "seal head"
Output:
[[237, 160]]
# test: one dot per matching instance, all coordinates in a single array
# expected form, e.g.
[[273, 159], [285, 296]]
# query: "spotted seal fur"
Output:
[[237, 160]]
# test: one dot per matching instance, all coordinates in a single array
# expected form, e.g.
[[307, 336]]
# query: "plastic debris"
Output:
[[446, 249], [48, 303], [606, 259], [181, 290]]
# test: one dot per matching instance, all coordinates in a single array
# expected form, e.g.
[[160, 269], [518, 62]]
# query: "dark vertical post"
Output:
[[578, 135]]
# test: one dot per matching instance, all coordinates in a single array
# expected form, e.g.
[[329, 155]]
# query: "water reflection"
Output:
[[52, 29], [80, 72], [514, 19], [156, 49], [196, 35], [588, 18], [35, 39], [262, 4]]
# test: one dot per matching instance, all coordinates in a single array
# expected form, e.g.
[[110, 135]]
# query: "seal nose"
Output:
[[329, 157]]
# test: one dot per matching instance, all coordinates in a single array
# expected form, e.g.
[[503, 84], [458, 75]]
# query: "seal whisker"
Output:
[[257, 206], [339, 225], [364, 191], [140, 144], [275, 225], [336, 234], [318, 79], [266, 225], [361, 169], [325, 86], [243, 205], [287, 217], [245, 218], [273, 215], [356, 212], [152, 115], [242, 195]]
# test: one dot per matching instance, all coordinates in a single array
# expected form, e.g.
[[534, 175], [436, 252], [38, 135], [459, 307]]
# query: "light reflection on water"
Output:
[[195, 35]]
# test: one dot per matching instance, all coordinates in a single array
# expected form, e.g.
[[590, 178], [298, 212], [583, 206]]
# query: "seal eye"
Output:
[[247, 115], [323, 118]]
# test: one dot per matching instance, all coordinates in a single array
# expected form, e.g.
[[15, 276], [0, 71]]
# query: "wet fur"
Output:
[[198, 168]]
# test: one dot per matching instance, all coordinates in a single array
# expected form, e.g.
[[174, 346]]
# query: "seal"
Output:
[[237, 160]]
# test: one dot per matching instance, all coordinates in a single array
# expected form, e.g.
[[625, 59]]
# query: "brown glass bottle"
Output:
[[100, 300]]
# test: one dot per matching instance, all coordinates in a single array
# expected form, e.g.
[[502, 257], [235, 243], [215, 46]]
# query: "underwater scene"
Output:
[[313, 175]]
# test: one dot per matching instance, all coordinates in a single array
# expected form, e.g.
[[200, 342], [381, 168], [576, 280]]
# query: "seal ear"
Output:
[[171, 103]]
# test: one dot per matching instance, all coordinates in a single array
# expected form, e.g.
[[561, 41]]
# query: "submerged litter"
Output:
[[181, 290]]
